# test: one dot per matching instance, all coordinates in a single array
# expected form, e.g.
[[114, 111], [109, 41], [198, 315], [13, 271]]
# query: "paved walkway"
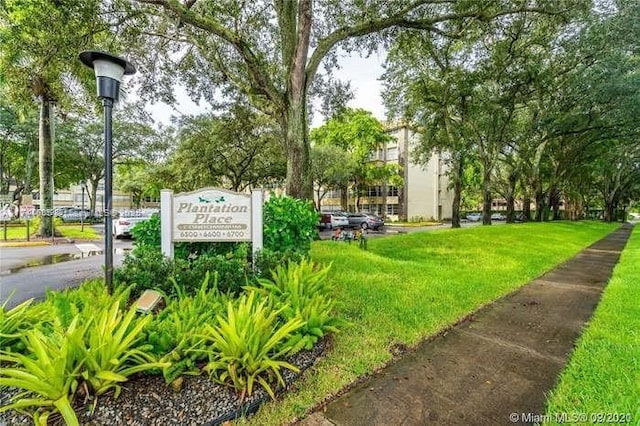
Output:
[[503, 360]]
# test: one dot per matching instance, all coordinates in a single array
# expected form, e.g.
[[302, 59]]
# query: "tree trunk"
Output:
[[526, 208], [540, 205], [93, 197], [486, 195], [554, 202], [458, 171], [344, 198], [510, 198], [46, 137]]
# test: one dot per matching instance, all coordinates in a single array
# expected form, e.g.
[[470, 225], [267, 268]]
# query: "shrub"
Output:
[[175, 332], [147, 268], [301, 290], [147, 232], [48, 373], [246, 345], [113, 349], [15, 321], [289, 225]]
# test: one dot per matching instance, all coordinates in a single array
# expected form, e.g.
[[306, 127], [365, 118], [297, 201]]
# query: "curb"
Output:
[[25, 244]]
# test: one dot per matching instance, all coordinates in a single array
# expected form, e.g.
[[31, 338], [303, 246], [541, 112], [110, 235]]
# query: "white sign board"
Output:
[[27, 211], [211, 215]]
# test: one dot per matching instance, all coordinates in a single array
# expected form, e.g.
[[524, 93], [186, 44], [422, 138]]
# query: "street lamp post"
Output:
[[109, 70]]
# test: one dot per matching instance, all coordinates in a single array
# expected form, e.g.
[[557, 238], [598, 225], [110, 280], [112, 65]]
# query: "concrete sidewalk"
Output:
[[496, 367]]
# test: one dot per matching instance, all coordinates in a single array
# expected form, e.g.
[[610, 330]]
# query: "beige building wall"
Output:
[[423, 196]]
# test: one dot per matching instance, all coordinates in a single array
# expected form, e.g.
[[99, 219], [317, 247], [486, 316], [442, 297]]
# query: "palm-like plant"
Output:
[[113, 350], [50, 372], [246, 345]]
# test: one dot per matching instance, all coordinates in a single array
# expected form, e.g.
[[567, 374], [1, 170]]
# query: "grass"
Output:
[[74, 232], [603, 375], [408, 287], [414, 224]]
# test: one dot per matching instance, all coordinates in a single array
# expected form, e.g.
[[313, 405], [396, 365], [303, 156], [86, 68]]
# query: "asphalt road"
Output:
[[27, 272]]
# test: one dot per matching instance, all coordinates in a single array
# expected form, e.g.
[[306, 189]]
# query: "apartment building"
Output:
[[424, 194]]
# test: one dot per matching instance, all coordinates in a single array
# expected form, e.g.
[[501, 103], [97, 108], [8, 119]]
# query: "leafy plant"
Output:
[[113, 350], [15, 321], [147, 232], [147, 268], [50, 372], [302, 291], [84, 300], [175, 331], [289, 224], [246, 345]]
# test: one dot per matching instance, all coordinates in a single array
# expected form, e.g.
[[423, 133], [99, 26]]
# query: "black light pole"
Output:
[[109, 70]]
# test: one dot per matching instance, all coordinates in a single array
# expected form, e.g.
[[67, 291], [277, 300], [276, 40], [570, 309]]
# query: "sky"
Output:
[[362, 72]]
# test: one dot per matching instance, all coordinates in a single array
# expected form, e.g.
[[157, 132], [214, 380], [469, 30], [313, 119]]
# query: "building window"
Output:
[[392, 153], [392, 209], [374, 191], [333, 193], [392, 191]]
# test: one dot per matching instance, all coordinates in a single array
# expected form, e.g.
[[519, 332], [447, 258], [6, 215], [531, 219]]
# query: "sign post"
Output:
[[27, 212]]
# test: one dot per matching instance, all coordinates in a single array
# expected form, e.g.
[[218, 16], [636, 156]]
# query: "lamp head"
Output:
[[109, 70]]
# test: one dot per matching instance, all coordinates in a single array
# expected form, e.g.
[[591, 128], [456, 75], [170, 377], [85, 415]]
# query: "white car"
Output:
[[122, 225], [338, 220]]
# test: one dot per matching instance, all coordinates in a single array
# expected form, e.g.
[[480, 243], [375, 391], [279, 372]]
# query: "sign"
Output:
[[27, 211], [210, 214]]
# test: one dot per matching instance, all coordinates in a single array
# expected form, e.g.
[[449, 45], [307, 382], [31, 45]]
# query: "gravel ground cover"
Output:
[[148, 401]]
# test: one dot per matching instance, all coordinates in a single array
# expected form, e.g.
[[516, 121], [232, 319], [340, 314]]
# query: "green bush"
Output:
[[147, 232], [246, 346], [175, 332], [289, 225], [113, 349], [147, 268], [16, 321], [48, 373], [301, 290]]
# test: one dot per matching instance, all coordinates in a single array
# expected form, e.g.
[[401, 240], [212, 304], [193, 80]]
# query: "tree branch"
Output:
[[259, 80]]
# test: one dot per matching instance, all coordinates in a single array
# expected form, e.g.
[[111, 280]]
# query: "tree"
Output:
[[18, 139], [237, 150], [425, 84], [358, 133], [82, 142], [331, 168], [40, 42], [271, 50]]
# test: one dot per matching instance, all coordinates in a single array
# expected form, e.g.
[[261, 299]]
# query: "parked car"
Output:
[[61, 211], [474, 217], [122, 225], [498, 216], [76, 215], [325, 221], [338, 220], [365, 221]]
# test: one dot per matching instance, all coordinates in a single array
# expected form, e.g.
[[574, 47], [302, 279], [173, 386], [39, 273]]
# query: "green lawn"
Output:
[[408, 287], [19, 233], [603, 375]]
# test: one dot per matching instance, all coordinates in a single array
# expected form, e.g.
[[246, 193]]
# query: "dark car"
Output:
[[365, 221], [325, 221]]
